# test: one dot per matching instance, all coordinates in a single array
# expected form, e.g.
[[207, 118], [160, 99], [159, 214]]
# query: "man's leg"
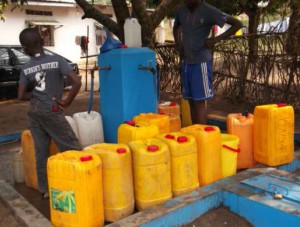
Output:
[[201, 89], [61, 132], [41, 145], [200, 112], [192, 110], [186, 85]]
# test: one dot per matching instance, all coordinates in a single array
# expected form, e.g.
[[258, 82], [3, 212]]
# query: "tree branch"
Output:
[[121, 10], [140, 9], [122, 13], [91, 12], [165, 7]]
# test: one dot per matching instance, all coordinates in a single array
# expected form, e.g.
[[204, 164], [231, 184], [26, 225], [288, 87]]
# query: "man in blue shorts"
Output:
[[196, 19]]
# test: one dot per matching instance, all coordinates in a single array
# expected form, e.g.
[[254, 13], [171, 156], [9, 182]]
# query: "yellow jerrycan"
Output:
[[117, 179], [29, 160], [208, 139], [169, 108], [230, 151], [75, 189], [185, 113], [129, 131], [242, 126], [274, 134], [184, 162], [175, 123], [151, 171], [161, 121]]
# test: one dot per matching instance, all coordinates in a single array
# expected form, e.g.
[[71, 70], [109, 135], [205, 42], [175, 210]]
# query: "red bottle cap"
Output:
[[182, 139], [86, 158], [152, 148], [132, 123], [123, 46], [209, 129], [173, 104], [282, 105], [121, 151], [170, 137]]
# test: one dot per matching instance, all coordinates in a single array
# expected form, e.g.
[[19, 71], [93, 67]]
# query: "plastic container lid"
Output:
[[170, 137], [282, 105], [209, 129], [182, 139], [132, 123], [121, 151], [86, 158], [173, 104], [152, 148]]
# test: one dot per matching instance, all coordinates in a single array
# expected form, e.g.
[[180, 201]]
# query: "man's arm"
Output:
[[75, 82], [22, 92], [235, 26], [176, 34]]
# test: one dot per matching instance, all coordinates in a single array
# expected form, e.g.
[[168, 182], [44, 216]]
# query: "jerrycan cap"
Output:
[[131, 123], [170, 137], [86, 158], [281, 105], [182, 139], [209, 129], [121, 150], [173, 104], [152, 148]]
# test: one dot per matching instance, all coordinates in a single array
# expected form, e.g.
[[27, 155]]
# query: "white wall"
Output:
[[64, 37]]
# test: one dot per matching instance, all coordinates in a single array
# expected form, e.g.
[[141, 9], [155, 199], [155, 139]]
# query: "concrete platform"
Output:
[[256, 206], [20, 208]]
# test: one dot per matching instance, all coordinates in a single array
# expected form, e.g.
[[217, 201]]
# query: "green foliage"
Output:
[[5, 3]]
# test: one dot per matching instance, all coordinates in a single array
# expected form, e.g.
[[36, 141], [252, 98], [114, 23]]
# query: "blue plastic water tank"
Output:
[[126, 90]]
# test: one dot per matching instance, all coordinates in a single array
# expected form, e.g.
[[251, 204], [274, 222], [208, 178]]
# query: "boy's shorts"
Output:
[[197, 81]]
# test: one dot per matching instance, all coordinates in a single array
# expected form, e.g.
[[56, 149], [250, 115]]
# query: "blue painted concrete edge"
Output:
[[10, 137], [259, 214]]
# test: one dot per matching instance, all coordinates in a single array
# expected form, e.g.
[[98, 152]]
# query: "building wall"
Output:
[[64, 37]]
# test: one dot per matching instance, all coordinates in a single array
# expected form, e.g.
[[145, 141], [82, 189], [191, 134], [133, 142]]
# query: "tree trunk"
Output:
[[148, 21], [254, 18], [293, 42]]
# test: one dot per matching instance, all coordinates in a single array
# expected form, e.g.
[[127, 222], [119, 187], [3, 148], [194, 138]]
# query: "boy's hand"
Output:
[[63, 104]]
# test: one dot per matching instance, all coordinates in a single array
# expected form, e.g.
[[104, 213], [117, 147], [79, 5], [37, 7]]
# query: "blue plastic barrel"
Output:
[[128, 87]]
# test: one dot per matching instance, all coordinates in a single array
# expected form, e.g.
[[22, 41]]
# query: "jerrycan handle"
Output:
[[232, 149]]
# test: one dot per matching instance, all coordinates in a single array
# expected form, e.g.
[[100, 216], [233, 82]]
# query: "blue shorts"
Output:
[[197, 81]]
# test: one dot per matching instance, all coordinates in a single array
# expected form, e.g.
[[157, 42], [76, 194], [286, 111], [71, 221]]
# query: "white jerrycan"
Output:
[[133, 33], [73, 124], [90, 128]]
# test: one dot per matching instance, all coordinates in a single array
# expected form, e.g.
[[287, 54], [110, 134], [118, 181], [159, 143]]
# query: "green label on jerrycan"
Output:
[[63, 201]]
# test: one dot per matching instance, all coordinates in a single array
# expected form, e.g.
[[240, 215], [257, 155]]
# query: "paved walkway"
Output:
[[7, 219]]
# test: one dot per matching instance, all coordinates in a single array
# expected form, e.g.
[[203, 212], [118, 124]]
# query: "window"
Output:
[[38, 12], [20, 55], [47, 33], [4, 57]]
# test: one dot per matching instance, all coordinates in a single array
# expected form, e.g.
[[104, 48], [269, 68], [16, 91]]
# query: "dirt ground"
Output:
[[219, 217], [13, 114]]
